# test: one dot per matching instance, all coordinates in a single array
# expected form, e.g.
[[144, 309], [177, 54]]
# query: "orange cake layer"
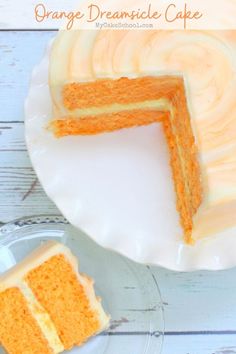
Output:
[[46, 306], [104, 122], [103, 92]]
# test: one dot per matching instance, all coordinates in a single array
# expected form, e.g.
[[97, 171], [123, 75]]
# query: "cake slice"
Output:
[[46, 306]]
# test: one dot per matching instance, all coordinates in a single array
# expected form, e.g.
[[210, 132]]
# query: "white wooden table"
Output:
[[200, 307]]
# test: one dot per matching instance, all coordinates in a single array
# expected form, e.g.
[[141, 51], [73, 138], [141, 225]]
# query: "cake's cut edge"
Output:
[[76, 312], [42, 318], [129, 102]]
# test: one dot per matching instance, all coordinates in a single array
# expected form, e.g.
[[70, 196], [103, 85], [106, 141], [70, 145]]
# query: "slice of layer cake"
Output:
[[46, 306], [101, 81]]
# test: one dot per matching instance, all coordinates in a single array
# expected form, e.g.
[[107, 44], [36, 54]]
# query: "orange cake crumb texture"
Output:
[[184, 163], [56, 287], [19, 331], [122, 91]]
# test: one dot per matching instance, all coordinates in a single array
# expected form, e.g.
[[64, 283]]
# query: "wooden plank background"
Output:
[[200, 307]]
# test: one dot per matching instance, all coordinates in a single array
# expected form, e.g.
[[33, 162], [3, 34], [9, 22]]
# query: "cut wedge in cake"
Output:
[[46, 306], [101, 81], [141, 101]]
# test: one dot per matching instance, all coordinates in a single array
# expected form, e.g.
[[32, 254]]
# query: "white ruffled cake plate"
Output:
[[117, 187]]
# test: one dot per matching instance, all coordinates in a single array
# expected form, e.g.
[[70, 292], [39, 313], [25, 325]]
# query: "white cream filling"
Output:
[[42, 318], [161, 105]]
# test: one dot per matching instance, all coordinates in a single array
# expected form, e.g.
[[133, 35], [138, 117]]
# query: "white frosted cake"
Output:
[[101, 81]]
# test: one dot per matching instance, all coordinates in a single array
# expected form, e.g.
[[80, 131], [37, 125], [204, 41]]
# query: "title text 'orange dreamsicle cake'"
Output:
[[105, 80], [46, 306]]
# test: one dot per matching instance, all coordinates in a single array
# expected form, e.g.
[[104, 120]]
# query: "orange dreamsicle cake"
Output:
[[46, 306], [105, 80]]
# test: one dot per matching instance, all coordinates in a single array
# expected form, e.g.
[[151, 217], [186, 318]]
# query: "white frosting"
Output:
[[206, 59], [161, 105]]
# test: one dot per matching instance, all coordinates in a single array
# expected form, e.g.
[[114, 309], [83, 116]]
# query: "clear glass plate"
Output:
[[129, 291]]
